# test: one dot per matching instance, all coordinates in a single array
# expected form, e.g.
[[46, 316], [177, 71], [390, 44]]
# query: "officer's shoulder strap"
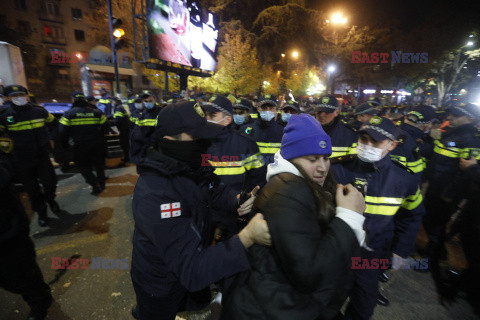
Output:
[[401, 165]]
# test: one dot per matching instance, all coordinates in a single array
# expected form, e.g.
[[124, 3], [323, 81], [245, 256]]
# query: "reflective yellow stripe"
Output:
[[450, 152], [104, 101], [343, 151], [50, 118], [381, 210], [383, 200], [268, 148], [103, 119], [411, 202], [64, 121], [253, 162], [229, 171], [26, 125], [84, 121], [146, 122], [253, 115], [119, 114], [417, 166], [2, 126], [131, 101], [133, 119]]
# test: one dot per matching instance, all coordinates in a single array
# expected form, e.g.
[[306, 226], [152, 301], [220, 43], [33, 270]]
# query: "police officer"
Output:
[[289, 108], [26, 124], [241, 113], [105, 103], [362, 115], [87, 127], [144, 127], [19, 272], [131, 101], [137, 112], [394, 208], [121, 119], [173, 262], [266, 132], [344, 139], [446, 185], [415, 145]]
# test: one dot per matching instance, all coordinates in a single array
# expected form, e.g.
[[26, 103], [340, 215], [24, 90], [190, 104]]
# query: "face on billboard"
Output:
[[182, 32]]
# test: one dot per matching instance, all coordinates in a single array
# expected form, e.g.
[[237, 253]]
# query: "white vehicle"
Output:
[[11, 65]]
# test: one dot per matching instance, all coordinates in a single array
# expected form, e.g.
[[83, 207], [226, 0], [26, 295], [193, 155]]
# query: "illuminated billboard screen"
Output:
[[183, 32]]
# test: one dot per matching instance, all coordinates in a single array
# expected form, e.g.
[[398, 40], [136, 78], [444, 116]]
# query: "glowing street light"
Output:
[[295, 54], [469, 43], [331, 69], [337, 18], [283, 55]]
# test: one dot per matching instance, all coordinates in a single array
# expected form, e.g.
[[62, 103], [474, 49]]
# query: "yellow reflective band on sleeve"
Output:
[[104, 101], [85, 121], [417, 166], [26, 125], [411, 202], [119, 114], [133, 119], [131, 101], [381, 210], [343, 151], [253, 115], [253, 162], [103, 119], [229, 171], [269, 147], [64, 121], [146, 122], [450, 152], [50, 118], [386, 206]]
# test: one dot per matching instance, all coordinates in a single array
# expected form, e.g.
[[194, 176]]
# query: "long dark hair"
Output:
[[324, 196]]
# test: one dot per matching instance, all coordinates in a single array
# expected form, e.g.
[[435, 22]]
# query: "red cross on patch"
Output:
[[170, 210]]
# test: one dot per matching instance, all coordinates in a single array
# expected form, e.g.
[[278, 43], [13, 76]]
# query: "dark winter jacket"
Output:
[[306, 274]]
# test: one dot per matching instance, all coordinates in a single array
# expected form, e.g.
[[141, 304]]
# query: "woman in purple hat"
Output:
[[316, 227]]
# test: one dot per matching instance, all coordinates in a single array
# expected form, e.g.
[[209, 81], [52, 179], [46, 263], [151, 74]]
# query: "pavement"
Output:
[[100, 229]]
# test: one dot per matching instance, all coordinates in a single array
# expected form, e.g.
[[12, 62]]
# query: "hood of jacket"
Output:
[[280, 165]]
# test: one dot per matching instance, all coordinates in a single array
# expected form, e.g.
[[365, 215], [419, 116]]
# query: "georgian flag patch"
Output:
[[170, 210]]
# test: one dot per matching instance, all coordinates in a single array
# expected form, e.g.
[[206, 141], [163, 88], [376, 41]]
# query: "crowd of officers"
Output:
[[413, 164]]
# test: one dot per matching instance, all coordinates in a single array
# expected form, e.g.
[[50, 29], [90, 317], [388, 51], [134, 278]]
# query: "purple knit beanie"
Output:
[[304, 136]]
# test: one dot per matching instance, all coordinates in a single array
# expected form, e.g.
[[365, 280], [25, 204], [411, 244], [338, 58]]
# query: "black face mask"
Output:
[[188, 152]]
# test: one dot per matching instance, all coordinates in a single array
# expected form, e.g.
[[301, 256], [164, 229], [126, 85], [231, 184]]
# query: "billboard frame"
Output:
[[141, 46]]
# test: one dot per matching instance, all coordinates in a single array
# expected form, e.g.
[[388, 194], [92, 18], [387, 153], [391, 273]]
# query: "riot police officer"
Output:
[[26, 124], [289, 108], [121, 119], [87, 127]]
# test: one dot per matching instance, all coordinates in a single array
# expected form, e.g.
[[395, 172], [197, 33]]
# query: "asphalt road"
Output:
[[100, 229]]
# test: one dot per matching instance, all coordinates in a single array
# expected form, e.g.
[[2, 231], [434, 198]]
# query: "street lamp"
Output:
[[469, 43], [337, 18], [331, 69], [283, 55], [295, 54]]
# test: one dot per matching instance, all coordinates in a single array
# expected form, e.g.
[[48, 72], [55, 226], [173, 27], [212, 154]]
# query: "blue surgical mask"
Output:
[[238, 119], [267, 115], [286, 117], [149, 105]]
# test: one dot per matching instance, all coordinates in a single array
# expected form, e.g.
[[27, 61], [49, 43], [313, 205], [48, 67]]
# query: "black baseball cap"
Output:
[[14, 89], [380, 129], [365, 108], [422, 114], [244, 104], [188, 117], [269, 99], [218, 103], [291, 105], [326, 104], [77, 94]]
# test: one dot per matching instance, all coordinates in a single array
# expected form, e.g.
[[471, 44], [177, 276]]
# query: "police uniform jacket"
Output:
[[121, 118], [83, 123], [14, 223], [235, 158], [344, 139], [27, 127], [105, 103], [390, 192], [268, 136], [142, 131], [456, 143], [172, 249]]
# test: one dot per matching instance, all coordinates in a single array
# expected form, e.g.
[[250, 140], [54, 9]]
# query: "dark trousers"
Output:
[[364, 294], [89, 157], [438, 214], [19, 273], [125, 143], [151, 307], [31, 173]]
